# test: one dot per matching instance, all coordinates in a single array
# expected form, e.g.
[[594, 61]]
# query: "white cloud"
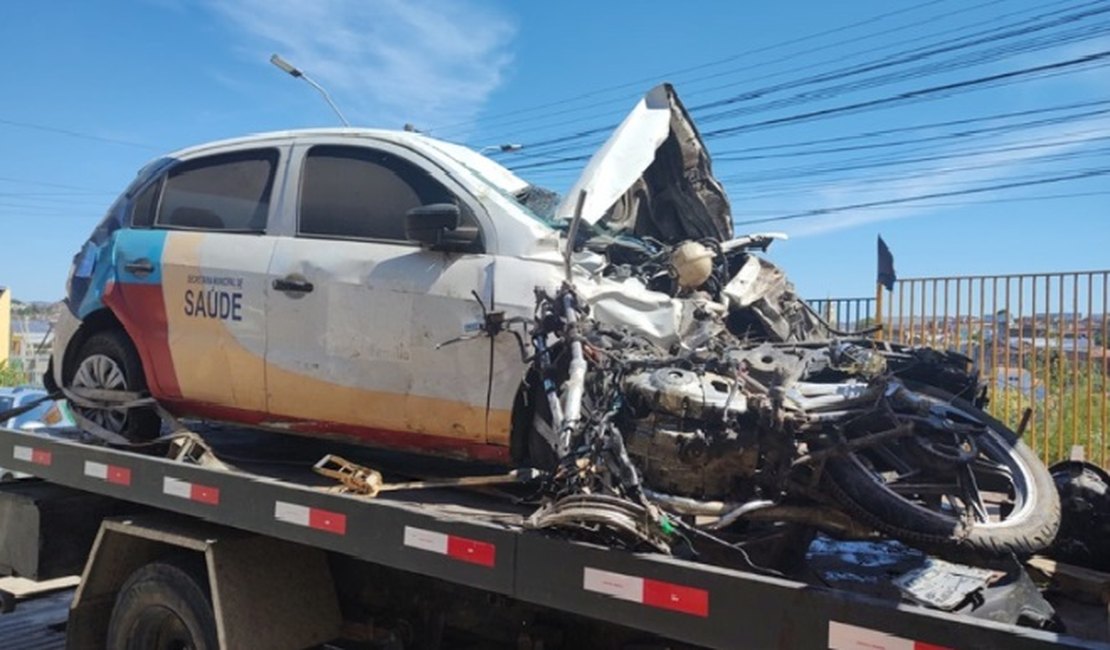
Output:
[[386, 62]]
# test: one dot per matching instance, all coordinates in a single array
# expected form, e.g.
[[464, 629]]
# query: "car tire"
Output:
[[98, 360], [164, 604], [48, 377]]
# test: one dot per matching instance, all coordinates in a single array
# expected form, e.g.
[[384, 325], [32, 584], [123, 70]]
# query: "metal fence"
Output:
[[845, 314], [1039, 340]]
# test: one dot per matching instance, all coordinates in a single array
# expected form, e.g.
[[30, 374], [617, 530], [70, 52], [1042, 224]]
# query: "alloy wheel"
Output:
[[103, 373]]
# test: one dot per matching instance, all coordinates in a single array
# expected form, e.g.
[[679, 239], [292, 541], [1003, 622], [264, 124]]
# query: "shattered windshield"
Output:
[[540, 201], [536, 202]]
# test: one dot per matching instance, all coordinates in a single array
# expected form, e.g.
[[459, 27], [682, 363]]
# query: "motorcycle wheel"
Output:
[[1002, 501]]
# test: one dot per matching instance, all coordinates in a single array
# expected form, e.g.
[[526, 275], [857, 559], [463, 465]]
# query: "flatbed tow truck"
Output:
[[280, 559]]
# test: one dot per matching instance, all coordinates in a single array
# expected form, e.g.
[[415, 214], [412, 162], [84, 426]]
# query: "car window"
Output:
[[228, 192], [363, 193], [144, 205]]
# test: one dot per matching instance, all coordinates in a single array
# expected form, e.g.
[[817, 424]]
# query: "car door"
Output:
[[193, 280], [358, 314]]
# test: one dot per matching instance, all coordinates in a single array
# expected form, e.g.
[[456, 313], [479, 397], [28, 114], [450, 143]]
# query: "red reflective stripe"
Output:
[[470, 550], [118, 475], [921, 645], [333, 522], [204, 494], [41, 457], [678, 598]]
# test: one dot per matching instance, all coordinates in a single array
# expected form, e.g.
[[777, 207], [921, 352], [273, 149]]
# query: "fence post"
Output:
[[879, 310]]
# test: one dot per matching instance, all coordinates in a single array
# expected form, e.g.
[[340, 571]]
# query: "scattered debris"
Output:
[[1000, 591], [944, 585]]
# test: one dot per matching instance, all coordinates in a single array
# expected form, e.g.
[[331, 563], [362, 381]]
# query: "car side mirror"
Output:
[[436, 226]]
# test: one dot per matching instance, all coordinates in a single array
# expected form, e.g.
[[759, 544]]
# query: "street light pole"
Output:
[[297, 73]]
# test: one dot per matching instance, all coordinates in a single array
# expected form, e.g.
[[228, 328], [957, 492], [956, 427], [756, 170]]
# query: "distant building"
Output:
[[5, 324], [32, 342], [1019, 380]]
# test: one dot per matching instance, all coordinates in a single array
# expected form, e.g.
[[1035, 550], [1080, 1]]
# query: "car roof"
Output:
[[398, 137], [488, 168]]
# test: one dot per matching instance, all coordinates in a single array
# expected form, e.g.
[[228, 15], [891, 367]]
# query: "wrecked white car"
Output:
[[397, 290]]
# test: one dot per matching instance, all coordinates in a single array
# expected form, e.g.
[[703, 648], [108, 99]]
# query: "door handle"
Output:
[[141, 267], [292, 284]]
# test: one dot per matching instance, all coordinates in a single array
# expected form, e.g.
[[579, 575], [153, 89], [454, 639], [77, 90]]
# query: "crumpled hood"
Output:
[[653, 177]]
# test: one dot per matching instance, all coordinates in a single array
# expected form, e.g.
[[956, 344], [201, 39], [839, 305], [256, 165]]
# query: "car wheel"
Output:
[[48, 377], [108, 361]]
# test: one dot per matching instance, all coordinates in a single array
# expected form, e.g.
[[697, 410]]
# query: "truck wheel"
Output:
[[163, 606], [108, 361]]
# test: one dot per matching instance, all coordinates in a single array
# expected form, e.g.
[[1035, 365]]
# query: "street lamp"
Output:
[[503, 148], [297, 73]]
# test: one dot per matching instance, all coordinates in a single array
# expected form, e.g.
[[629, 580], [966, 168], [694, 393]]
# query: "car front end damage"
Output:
[[679, 388]]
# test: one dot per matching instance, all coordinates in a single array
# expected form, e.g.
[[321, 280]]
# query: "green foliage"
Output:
[[11, 376], [1071, 406]]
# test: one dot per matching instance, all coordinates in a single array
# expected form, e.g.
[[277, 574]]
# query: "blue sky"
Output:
[[93, 90]]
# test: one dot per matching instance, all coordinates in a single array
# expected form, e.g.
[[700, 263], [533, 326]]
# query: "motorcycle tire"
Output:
[[1029, 527]]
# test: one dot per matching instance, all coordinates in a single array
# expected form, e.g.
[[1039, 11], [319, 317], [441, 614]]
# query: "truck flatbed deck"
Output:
[[478, 540]]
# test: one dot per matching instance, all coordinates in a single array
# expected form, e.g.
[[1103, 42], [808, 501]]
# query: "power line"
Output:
[[55, 194], [55, 208], [55, 200], [575, 140], [879, 186], [873, 184], [873, 163], [915, 127], [77, 134], [904, 98], [923, 94], [931, 195], [695, 68], [841, 56], [959, 135], [22, 181], [963, 136], [919, 54], [984, 201], [1013, 199]]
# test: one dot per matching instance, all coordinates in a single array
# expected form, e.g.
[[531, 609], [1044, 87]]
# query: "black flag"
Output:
[[886, 276]]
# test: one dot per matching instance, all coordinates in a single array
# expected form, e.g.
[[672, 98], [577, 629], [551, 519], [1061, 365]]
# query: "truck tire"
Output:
[[108, 360], [164, 605]]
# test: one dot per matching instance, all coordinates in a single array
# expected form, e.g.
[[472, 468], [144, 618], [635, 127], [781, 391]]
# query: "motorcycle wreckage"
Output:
[[763, 415]]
